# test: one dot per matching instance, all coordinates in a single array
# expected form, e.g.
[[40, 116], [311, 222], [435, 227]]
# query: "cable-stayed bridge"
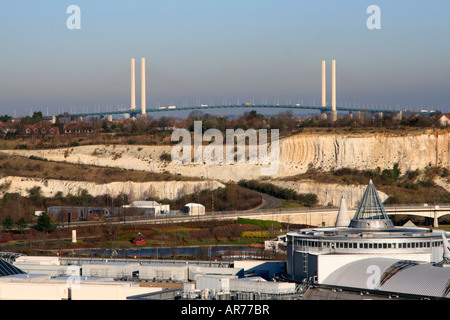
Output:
[[245, 106], [133, 111]]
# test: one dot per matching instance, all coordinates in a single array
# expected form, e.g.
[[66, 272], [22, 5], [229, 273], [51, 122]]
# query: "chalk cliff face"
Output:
[[134, 190], [329, 193], [364, 151], [297, 154]]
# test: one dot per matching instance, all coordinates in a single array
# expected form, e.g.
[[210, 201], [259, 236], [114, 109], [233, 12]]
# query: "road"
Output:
[[269, 202], [268, 209]]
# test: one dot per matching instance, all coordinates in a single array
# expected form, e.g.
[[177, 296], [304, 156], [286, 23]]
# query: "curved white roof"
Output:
[[193, 205], [393, 275]]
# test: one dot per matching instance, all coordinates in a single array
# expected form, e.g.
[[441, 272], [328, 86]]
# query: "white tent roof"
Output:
[[194, 205], [343, 219]]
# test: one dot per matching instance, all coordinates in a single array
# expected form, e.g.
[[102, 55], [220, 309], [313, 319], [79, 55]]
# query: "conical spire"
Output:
[[343, 219], [371, 213]]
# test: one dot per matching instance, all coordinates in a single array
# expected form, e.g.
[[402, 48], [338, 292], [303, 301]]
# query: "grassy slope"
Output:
[[26, 167]]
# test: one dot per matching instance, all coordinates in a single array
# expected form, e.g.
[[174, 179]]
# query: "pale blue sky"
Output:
[[220, 51]]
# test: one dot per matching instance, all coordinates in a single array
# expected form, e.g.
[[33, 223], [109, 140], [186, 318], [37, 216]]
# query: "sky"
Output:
[[222, 52]]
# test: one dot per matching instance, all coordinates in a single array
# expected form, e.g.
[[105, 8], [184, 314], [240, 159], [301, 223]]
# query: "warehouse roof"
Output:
[[145, 204]]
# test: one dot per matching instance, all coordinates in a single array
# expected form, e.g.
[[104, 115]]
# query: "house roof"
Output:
[[139, 236], [47, 128]]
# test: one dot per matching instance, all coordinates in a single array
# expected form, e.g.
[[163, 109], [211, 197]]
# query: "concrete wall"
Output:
[[109, 270], [196, 271], [320, 266], [262, 286], [51, 270], [306, 218], [329, 263], [163, 272], [59, 290], [215, 283]]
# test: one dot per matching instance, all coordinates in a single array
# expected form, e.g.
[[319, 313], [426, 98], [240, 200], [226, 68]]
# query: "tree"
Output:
[[5, 118], [21, 224], [45, 223], [35, 193], [7, 223]]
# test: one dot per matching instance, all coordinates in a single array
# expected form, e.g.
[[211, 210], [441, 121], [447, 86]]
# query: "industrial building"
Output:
[[72, 213], [194, 209], [147, 208], [16, 284], [335, 256], [360, 257], [196, 279]]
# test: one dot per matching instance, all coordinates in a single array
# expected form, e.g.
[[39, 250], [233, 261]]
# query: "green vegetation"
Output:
[[36, 167], [410, 187], [230, 198], [255, 234], [307, 200], [7, 223], [165, 157], [45, 223], [264, 224], [119, 236]]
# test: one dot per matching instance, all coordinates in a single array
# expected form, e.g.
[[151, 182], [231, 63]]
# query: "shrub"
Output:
[[165, 157], [308, 199], [255, 234], [265, 224]]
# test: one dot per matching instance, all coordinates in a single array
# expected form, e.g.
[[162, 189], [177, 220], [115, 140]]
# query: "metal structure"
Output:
[[371, 213], [7, 269], [133, 111], [314, 253]]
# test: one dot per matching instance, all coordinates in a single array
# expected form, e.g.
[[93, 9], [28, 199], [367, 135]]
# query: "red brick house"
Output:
[[40, 130], [78, 127]]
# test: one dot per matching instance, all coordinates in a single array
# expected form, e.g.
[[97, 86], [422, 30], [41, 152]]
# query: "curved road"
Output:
[[269, 202]]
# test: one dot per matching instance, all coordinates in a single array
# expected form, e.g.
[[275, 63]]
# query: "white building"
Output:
[[15, 284], [148, 208], [314, 254], [194, 209]]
